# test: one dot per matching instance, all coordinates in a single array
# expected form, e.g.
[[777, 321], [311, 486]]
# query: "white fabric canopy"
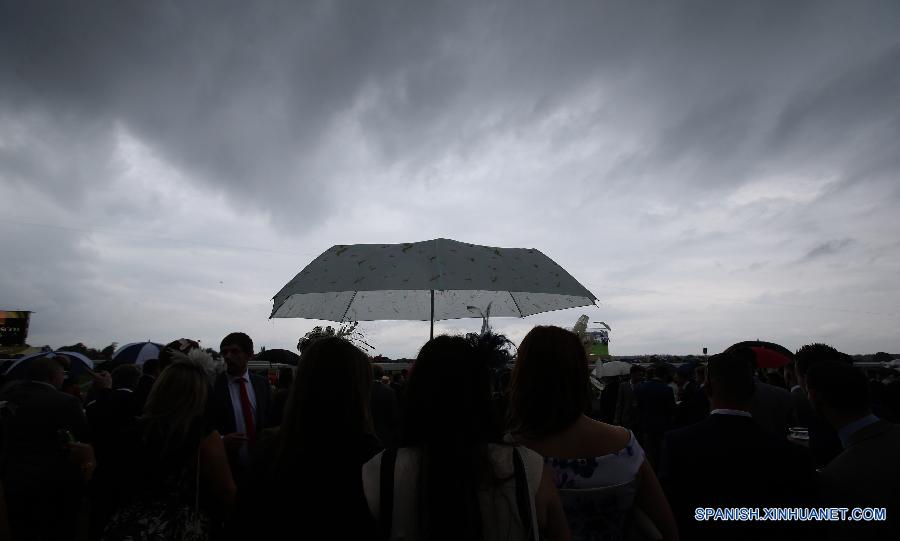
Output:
[[611, 369], [367, 282]]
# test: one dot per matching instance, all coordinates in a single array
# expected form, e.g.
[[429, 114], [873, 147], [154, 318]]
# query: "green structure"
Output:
[[599, 340]]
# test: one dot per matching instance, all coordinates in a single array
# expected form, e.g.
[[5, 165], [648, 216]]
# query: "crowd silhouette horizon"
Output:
[[471, 442]]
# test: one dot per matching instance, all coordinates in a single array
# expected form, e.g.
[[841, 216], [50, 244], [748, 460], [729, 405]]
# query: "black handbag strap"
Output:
[[523, 497], [386, 494]]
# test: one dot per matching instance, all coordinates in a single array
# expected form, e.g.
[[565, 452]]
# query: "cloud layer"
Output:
[[711, 172]]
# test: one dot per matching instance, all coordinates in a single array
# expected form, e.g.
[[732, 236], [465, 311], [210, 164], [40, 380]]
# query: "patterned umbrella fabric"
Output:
[[768, 354], [76, 364], [611, 369], [430, 280], [136, 353]]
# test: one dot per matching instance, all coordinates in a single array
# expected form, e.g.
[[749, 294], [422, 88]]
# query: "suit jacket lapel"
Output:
[[873, 430], [261, 404], [225, 403]]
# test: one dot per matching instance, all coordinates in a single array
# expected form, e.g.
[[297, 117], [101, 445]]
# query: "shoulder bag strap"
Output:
[[523, 497], [386, 494], [197, 484]]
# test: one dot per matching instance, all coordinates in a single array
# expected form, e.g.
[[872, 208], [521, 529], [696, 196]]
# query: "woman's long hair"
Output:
[[448, 419], [550, 386], [328, 404], [174, 414]]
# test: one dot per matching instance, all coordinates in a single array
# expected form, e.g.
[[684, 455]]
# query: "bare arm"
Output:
[[652, 501], [215, 473], [5, 535], [620, 406], [550, 515]]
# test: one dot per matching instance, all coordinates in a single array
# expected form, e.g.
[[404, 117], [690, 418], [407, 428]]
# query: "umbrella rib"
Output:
[[516, 303], [348, 306]]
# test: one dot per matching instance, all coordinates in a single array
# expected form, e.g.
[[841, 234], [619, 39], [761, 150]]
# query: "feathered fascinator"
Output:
[[494, 348], [189, 351]]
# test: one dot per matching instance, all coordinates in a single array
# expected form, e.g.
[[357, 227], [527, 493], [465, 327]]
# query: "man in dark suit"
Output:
[[824, 443], [42, 485], [114, 409], [240, 404], [867, 472], [730, 461], [655, 407], [625, 406], [110, 416], [693, 405], [385, 410], [772, 408], [149, 372]]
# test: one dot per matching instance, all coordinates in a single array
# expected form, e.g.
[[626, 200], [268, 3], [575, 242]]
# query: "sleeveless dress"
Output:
[[159, 496], [499, 512], [598, 493]]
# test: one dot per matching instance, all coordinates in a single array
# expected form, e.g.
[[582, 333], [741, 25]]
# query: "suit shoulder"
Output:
[[687, 433]]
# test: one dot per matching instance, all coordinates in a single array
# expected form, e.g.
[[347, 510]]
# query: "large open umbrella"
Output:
[[611, 369], [76, 363], [430, 280], [136, 353], [768, 354], [278, 356]]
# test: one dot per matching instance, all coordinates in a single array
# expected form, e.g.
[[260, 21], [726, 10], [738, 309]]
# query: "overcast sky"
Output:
[[711, 171]]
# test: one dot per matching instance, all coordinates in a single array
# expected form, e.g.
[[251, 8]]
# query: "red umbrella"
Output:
[[768, 354]]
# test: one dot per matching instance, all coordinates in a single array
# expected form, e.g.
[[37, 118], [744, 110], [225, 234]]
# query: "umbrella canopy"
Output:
[[768, 354], [430, 280], [136, 353], [77, 364], [611, 369], [278, 356]]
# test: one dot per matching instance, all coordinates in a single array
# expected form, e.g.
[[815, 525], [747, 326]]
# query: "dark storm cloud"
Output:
[[244, 95], [742, 131], [831, 247]]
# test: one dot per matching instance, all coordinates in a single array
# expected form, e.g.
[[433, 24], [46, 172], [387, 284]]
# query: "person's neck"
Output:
[[718, 404], [235, 374], [839, 421]]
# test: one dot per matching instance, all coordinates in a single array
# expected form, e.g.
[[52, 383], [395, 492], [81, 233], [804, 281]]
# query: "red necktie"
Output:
[[248, 411]]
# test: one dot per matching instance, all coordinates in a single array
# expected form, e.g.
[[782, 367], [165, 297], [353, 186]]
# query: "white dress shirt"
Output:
[[234, 389], [723, 411]]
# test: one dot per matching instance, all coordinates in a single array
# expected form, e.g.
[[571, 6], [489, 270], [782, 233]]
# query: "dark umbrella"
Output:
[[76, 364], [278, 356], [768, 354], [136, 353]]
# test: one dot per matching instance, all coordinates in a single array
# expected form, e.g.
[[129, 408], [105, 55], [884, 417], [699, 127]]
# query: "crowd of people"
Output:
[[454, 449]]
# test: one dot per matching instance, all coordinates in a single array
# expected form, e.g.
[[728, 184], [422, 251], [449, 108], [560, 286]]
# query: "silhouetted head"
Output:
[[812, 354], [700, 374], [285, 377], [126, 377], [173, 348], [150, 367], [729, 379], [176, 405], [661, 372], [550, 387], [237, 349], [838, 391], [47, 370], [636, 374], [328, 404], [443, 408]]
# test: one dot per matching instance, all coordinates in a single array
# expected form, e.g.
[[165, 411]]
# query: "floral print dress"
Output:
[[597, 493]]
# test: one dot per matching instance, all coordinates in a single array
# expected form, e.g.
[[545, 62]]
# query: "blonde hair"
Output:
[[176, 404]]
